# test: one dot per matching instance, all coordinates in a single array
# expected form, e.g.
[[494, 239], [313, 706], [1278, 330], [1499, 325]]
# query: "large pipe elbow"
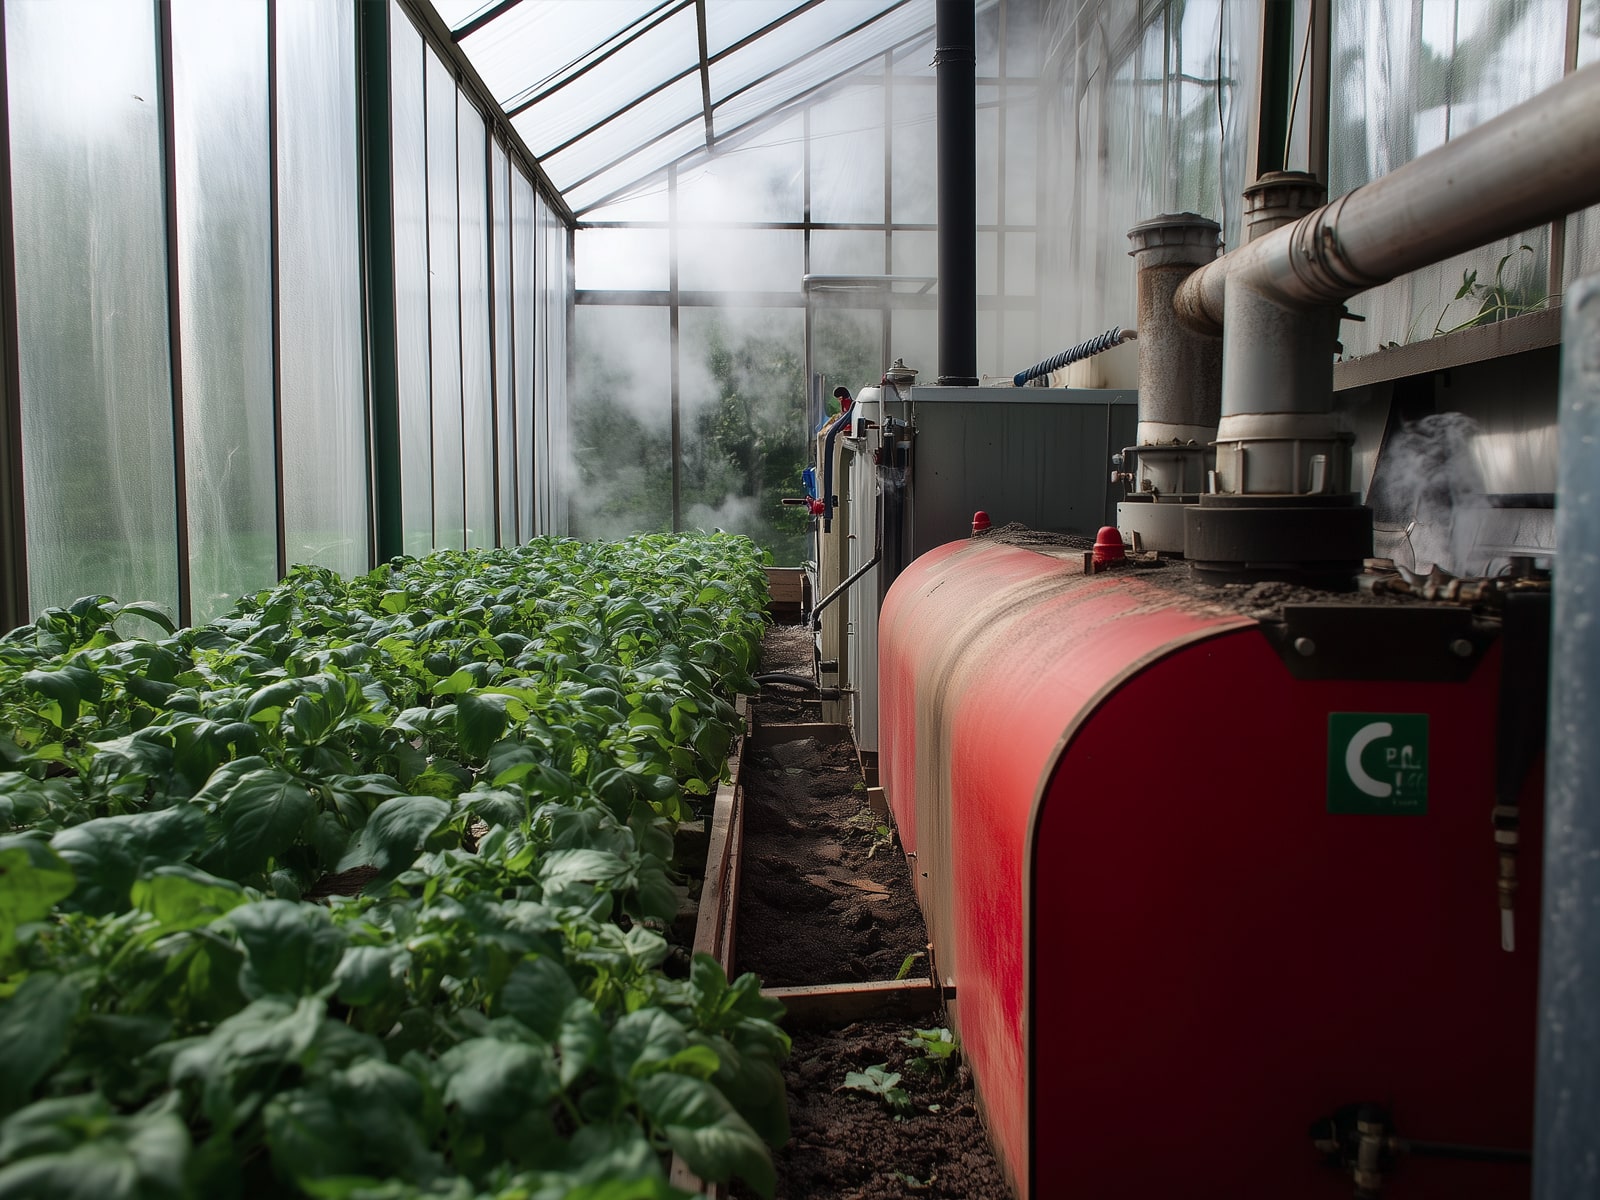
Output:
[[1527, 167]]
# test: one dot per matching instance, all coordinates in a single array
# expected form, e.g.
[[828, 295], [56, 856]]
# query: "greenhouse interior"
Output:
[[627, 599]]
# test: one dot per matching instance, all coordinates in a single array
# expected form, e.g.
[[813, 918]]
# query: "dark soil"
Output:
[[826, 898], [825, 895], [847, 1145]]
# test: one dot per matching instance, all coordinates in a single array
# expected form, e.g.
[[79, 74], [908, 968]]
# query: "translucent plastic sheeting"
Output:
[[585, 101], [537, 43], [757, 180], [409, 134], [624, 133], [543, 318], [914, 151], [325, 463], [1131, 121], [444, 307], [1405, 82], [524, 308], [847, 252], [623, 259], [809, 68], [847, 150], [223, 205], [813, 28], [477, 399], [558, 308], [730, 23], [505, 422], [87, 193], [622, 447], [626, 175], [747, 260], [1583, 229]]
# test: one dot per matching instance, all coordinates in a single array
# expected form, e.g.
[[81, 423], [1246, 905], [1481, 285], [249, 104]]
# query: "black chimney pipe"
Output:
[[954, 63]]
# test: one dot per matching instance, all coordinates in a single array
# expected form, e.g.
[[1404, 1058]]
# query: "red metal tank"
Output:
[[1179, 930]]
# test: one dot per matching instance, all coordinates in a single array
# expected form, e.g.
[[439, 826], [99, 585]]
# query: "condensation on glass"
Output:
[[1402, 87], [409, 141], [325, 459], [222, 148], [97, 430], [444, 308], [477, 400]]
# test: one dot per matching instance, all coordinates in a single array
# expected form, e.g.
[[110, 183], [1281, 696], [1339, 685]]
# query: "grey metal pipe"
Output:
[[1567, 1091], [954, 62], [1537, 162], [1180, 371]]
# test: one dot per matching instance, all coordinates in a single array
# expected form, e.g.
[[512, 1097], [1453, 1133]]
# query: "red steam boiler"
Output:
[[1216, 891]]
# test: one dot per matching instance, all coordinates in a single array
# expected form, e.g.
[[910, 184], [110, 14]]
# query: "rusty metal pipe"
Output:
[[1528, 166]]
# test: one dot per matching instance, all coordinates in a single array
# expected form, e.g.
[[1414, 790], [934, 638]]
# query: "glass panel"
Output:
[[541, 370], [846, 252], [1021, 158], [621, 421], [540, 41], [744, 433], [757, 180], [1024, 43], [750, 260], [809, 71], [806, 32], [92, 302], [626, 259], [408, 126], [988, 264], [1021, 259], [915, 253], [444, 308], [524, 307], [1019, 342], [625, 177], [225, 281], [914, 337], [847, 150], [477, 402], [668, 49], [647, 203], [730, 23], [986, 128], [558, 309], [1401, 88], [623, 134], [1583, 229], [325, 479], [915, 152], [505, 425], [847, 346]]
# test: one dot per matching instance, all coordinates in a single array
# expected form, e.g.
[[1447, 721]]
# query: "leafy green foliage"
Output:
[[938, 1049], [473, 762], [883, 1083]]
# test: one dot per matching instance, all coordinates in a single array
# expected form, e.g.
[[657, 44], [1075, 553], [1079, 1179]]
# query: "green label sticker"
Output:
[[1378, 763]]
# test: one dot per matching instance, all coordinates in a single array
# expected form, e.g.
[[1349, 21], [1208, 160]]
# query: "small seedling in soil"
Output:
[[883, 1083], [938, 1047], [905, 968], [915, 1184]]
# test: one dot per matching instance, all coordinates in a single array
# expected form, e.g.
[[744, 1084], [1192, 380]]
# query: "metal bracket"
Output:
[[1420, 642]]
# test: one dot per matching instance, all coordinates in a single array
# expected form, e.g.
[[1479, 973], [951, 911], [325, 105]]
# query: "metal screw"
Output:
[[1305, 647], [1461, 648]]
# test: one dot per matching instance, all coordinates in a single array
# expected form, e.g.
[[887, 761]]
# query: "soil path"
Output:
[[826, 898]]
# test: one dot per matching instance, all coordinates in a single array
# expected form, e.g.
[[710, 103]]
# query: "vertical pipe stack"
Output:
[[954, 62], [1565, 1163]]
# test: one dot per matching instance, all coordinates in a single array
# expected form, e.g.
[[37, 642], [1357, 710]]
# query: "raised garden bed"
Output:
[[827, 917]]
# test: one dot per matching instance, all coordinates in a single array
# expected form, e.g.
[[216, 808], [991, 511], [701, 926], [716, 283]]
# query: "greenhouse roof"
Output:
[[608, 92]]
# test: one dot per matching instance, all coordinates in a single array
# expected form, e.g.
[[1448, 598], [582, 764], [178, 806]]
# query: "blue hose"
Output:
[[1114, 336]]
